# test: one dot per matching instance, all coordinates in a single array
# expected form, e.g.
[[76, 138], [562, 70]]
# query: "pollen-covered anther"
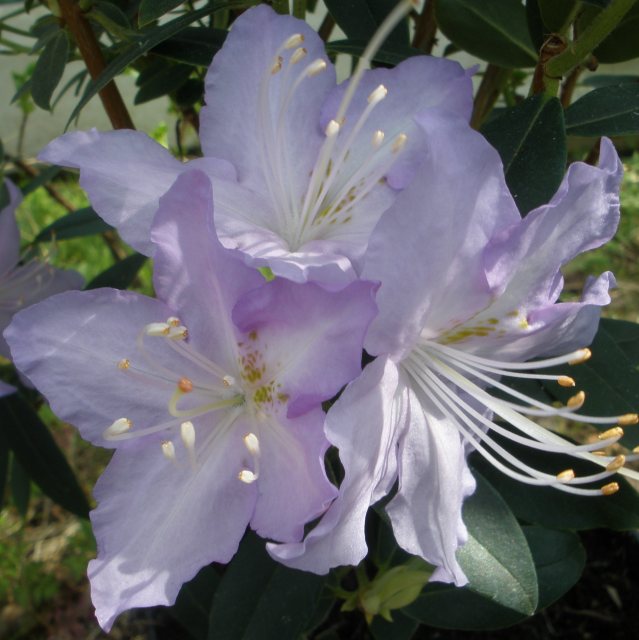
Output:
[[168, 450], [252, 443], [228, 381], [581, 356], [399, 143], [187, 435], [377, 95], [120, 426], [185, 385], [298, 55], [576, 401], [178, 333], [628, 419], [332, 129], [378, 138], [293, 41], [277, 65], [124, 364], [566, 475], [610, 488], [247, 476], [157, 329], [316, 67], [614, 433], [565, 381], [616, 463], [173, 321]]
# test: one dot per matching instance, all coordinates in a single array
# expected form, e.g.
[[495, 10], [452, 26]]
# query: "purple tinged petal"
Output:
[[315, 336], [426, 512], [439, 225], [193, 273], [69, 347], [9, 233], [292, 486], [157, 524], [364, 424], [124, 173], [231, 124]]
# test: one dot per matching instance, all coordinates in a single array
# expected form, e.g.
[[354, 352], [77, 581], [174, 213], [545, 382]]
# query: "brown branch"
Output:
[[91, 53], [326, 28], [487, 94], [426, 28], [568, 87]]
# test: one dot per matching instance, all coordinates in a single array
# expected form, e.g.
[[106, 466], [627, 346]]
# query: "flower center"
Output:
[[440, 371]]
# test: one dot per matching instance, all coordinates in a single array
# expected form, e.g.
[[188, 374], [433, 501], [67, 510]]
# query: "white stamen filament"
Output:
[[187, 435]]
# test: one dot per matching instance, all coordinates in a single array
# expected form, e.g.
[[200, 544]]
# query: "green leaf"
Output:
[[359, 19], [386, 54], [42, 178], [622, 44], [609, 111], [121, 274], [554, 13], [552, 508], [149, 39], [401, 628], [493, 30], [559, 560], [502, 588], [193, 45], [258, 599], [37, 452], [151, 10], [82, 222], [192, 606], [49, 69], [110, 17], [606, 80], [531, 141], [4, 466], [166, 79], [20, 487]]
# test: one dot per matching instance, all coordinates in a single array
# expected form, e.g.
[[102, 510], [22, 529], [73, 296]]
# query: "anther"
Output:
[[298, 54], [252, 443], [157, 329], [399, 143], [332, 129], [178, 333], [566, 476], [120, 426], [576, 401], [277, 65], [187, 435], [124, 364], [228, 381], [599, 453], [636, 450], [173, 321], [377, 95], [616, 463], [316, 67], [581, 356], [565, 381], [378, 138], [615, 432], [168, 449], [610, 488], [246, 476], [185, 385], [628, 419], [293, 41]]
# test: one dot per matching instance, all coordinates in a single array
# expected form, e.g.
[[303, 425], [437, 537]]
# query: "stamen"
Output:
[[609, 489], [576, 401], [566, 381], [298, 54], [157, 329], [399, 143], [616, 463], [120, 426], [185, 385], [378, 138], [187, 435], [173, 321], [315, 68], [581, 356], [124, 363], [277, 65], [247, 476], [332, 129], [377, 95], [293, 41], [178, 333], [228, 381], [615, 432], [252, 443], [628, 419], [566, 476], [168, 449]]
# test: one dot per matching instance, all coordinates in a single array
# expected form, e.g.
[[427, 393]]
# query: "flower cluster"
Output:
[[388, 225]]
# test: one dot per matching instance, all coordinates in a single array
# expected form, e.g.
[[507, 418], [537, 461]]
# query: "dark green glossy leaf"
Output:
[[386, 55], [622, 44], [169, 78], [42, 178], [4, 466], [112, 18], [20, 487], [557, 509], [258, 599], [493, 30], [359, 19], [536, 27], [82, 222], [609, 111], [559, 560], [193, 45], [555, 13], [49, 69], [37, 452], [605, 80], [151, 10], [121, 274], [531, 141], [147, 41], [401, 628], [191, 609]]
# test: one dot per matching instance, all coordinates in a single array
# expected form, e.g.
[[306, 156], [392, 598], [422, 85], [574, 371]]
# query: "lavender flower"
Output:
[[211, 397], [477, 301], [302, 169], [23, 284]]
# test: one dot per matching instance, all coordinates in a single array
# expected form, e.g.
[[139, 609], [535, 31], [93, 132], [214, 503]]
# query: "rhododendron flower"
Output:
[[23, 284], [478, 300], [302, 169], [211, 396]]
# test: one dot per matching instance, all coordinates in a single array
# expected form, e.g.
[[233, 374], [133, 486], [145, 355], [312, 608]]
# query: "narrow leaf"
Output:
[[49, 69], [82, 222], [20, 487], [120, 275], [151, 10], [191, 609]]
